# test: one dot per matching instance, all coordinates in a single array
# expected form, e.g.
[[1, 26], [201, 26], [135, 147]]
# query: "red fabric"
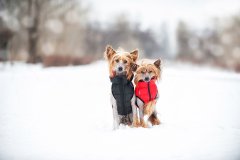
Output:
[[146, 91]]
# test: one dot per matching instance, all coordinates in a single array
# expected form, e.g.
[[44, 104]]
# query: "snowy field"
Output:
[[65, 114]]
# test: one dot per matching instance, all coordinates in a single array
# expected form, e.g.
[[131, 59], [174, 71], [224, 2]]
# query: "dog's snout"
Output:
[[120, 68], [146, 79]]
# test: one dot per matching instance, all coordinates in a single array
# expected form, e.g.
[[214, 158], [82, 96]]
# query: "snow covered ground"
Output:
[[65, 114]]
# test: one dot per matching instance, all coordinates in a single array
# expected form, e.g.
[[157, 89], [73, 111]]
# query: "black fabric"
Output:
[[122, 90]]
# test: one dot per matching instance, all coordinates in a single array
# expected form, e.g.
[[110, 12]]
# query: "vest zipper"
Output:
[[149, 92]]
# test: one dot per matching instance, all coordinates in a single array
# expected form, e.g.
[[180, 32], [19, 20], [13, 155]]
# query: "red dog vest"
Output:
[[146, 91]]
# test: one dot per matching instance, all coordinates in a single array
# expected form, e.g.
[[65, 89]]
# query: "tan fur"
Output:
[[143, 124], [136, 122], [154, 120], [111, 56], [123, 57], [149, 108], [127, 59], [146, 67], [155, 68]]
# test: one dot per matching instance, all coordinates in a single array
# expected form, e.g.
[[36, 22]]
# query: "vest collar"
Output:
[[143, 83], [120, 79]]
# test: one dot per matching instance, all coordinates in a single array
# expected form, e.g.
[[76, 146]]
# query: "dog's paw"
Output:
[[155, 121], [136, 124], [143, 124]]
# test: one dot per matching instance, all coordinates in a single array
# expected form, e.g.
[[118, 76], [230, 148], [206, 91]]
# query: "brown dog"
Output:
[[146, 91], [122, 89]]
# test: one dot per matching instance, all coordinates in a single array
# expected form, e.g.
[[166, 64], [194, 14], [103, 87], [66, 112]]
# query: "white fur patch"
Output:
[[145, 118]]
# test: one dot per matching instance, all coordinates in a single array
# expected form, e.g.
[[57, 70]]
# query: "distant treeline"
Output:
[[43, 28], [218, 44], [60, 33]]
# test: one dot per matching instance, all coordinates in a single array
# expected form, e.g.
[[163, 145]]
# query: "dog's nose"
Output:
[[120, 68], [146, 79]]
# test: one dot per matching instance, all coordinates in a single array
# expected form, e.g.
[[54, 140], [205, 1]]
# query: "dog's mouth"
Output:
[[121, 73], [147, 80]]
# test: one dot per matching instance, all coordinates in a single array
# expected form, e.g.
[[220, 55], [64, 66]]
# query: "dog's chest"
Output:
[[122, 91]]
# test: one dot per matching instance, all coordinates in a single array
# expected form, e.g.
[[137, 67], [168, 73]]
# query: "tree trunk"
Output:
[[33, 13]]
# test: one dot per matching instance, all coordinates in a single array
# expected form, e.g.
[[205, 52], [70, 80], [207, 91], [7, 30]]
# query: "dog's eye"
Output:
[[116, 60], [142, 72], [124, 61], [149, 71]]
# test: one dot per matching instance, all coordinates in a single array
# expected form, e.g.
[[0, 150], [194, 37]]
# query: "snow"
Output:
[[64, 113]]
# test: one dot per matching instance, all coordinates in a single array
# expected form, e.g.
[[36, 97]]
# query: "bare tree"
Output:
[[35, 13]]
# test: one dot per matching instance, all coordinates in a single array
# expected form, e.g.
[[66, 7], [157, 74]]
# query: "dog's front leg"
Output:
[[141, 113], [154, 118], [116, 120], [135, 113]]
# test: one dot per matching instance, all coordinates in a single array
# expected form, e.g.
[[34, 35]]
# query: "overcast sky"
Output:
[[153, 12]]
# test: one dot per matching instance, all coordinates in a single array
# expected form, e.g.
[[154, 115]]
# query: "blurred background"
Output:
[[64, 113], [75, 32]]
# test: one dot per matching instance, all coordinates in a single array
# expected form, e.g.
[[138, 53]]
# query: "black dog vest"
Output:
[[122, 90]]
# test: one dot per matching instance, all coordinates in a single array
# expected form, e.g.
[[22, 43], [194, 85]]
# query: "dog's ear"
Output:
[[109, 52], [134, 66], [157, 63], [134, 55]]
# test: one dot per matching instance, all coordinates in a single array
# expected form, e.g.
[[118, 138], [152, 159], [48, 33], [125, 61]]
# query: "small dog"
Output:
[[122, 95], [146, 91]]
